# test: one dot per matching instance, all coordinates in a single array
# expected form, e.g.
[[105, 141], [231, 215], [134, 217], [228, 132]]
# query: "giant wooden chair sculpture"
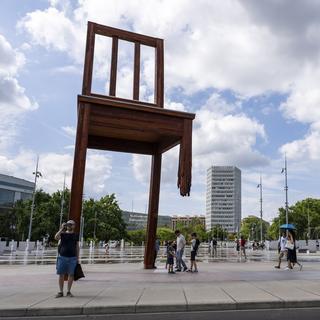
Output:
[[116, 124]]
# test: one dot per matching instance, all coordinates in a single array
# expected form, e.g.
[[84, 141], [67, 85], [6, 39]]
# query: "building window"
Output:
[[6, 198]]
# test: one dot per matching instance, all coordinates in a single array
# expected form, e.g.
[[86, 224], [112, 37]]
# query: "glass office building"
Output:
[[138, 221], [13, 189]]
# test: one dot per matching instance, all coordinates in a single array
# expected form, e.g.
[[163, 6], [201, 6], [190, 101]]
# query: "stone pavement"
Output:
[[127, 288]]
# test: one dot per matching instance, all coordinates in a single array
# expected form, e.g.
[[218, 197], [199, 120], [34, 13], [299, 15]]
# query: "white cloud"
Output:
[[219, 138], [247, 47], [221, 44], [53, 166], [71, 131], [52, 29], [10, 59], [305, 149], [303, 104], [14, 103], [229, 48], [70, 69]]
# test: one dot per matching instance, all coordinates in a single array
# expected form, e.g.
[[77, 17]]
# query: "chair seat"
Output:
[[132, 126]]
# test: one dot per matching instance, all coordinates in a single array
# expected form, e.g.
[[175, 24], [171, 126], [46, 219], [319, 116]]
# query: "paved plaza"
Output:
[[111, 289]]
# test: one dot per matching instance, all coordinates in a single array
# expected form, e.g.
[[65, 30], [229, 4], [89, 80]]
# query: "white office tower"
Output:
[[223, 202]]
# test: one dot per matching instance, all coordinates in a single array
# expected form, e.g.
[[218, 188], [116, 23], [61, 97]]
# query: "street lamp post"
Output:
[[95, 225], [37, 175], [260, 187], [62, 200], [284, 170]]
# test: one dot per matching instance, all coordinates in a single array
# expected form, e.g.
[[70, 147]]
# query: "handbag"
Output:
[[78, 273], [289, 245]]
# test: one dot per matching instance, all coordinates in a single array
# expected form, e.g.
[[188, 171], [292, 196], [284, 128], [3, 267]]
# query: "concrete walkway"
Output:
[[127, 288]]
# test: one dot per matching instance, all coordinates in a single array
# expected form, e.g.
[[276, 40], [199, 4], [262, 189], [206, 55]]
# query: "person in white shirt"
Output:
[[282, 249], [181, 242]]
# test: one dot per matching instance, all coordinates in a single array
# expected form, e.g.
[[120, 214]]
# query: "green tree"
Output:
[[107, 216], [165, 234], [298, 215], [217, 232], [46, 217], [137, 236], [194, 226], [250, 228]]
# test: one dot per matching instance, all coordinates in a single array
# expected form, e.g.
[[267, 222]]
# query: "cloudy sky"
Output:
[[250, 70]]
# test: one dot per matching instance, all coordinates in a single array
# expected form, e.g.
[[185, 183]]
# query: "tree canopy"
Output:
[[103, 215], [298, 215], [250, 228]]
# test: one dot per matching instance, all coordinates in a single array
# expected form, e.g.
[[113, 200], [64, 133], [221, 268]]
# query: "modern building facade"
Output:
[[137, 220], [223, 198], [13, 189], [186, 221]]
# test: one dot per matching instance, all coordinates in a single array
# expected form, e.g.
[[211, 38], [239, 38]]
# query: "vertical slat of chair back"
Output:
[[114, 63], [159, 75], [136, 71], [88, 62], [137, 39]]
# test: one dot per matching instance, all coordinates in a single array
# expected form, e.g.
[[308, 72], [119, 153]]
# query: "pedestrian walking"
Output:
[[214, 247], [181, 243], [292, 251], [282, 249], [156, 250], [237, 241], [68, 255], [195, 243], [106, 248], [243, 247]]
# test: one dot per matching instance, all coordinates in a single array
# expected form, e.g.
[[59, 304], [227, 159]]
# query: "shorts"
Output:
[[170, 261], [193, 255], [66, 265], [282, 254]]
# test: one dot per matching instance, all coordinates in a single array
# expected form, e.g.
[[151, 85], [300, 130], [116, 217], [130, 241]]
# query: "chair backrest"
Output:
[[138, 40]]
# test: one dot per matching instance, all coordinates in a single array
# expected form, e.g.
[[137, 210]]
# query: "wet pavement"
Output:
[[134, 254]]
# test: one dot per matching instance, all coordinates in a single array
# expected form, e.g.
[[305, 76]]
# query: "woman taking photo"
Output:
[[68, 255]]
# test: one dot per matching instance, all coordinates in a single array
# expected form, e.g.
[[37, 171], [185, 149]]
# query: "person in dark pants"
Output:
[[181, 242], [170, 256], [68, 255], [156, 250], [195, 243], [292, 251], [214, 247]]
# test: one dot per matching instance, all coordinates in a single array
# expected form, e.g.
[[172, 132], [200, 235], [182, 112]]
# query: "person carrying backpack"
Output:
[[195, 243]]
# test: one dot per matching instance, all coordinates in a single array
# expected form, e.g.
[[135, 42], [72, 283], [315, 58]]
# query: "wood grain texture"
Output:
[[133, 105], [136, 71], [79, 164], [114, 64], [124, 35], [120, 145], [154, 195], [159, 74], [107, 122], [88, 61]]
